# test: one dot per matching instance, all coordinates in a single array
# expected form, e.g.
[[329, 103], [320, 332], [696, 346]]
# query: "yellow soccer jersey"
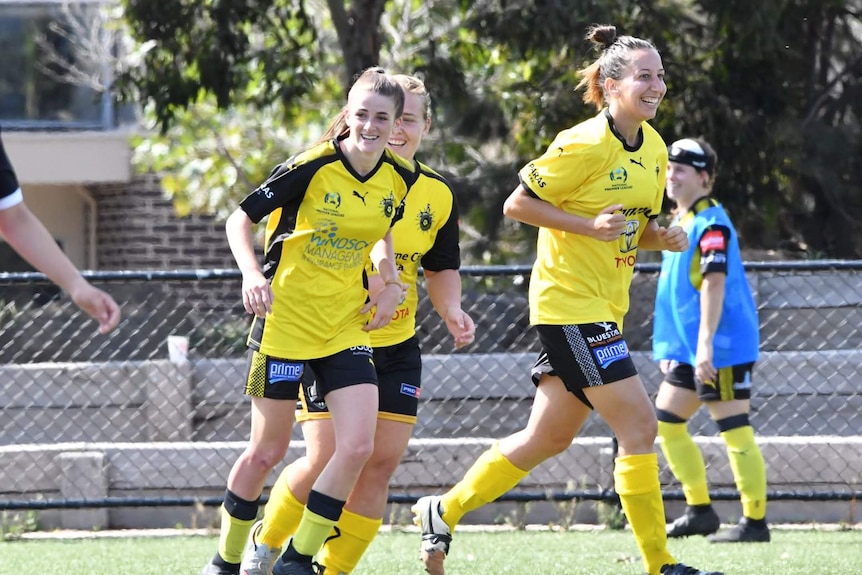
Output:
[[323, 221], [426, 235], [577, 279]]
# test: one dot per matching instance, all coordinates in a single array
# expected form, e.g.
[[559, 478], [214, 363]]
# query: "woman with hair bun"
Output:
[[594, 195]]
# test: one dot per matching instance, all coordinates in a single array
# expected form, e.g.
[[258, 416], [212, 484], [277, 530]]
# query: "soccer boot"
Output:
[[436, 536], [695, 521], [293, 563], [746, 531], [213, 569], [257, 558], [680, 569]]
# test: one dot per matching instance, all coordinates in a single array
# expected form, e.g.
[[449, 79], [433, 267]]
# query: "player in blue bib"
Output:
[[706, 336]]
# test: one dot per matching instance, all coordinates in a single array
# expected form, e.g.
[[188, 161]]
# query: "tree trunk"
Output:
[[358, 29]]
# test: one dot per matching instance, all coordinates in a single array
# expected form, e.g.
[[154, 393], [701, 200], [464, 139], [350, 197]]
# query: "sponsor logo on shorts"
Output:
[[607, 354], [745, 383], [279, 371], [411, 390], [611, 333], [361, 350]]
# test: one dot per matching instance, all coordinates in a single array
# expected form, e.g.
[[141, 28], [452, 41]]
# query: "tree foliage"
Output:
[[773, 84]]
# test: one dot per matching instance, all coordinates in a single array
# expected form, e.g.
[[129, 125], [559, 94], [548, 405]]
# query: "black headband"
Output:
[[680, 155]]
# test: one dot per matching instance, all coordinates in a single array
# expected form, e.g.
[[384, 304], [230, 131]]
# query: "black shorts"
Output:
[[583, 355], [734, 382], [277, 378], [399, 374]]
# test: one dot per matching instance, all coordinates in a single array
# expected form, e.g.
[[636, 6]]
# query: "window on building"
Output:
[[40, 43]]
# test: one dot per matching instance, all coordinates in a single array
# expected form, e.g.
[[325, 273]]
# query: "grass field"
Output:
[[791, 552]]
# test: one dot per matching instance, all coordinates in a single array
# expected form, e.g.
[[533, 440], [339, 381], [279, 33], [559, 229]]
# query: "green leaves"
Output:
[[236, 86]]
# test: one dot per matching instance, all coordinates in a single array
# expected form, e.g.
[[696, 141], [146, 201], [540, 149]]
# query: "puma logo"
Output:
[[632, 160], [360, 196]]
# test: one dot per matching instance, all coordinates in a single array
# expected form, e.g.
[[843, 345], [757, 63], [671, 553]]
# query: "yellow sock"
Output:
[[320, 516], [237, 517], [232, 536], [636, 482], [490, 477], [281, 515], [343, 550], [685, 461], [749, 470]]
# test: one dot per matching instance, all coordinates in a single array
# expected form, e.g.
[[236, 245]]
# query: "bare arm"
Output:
[[257, 295], [392, 293], [444, 289], [711, 302], [521, 206], [29, 237]]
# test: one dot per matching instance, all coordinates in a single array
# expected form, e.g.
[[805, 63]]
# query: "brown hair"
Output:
[[375, 80], [614, 55], [413, 85]]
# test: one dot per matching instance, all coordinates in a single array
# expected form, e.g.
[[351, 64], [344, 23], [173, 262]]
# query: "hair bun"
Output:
[[602, 35]]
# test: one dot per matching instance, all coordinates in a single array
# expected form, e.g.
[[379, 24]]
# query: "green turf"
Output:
[[499, 553]]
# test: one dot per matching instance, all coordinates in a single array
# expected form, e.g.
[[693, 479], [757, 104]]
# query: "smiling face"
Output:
[[685, 184], [370, 117], [407, 136], [636, 96]]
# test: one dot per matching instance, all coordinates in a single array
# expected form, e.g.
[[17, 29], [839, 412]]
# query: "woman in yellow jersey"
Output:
[[426, 235], [594, 196], [328, 207]]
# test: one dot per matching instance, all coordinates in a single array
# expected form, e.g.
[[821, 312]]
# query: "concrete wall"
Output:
[[130, 429]]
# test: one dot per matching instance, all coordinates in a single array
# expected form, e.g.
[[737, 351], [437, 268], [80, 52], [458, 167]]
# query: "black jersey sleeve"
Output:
[[445, 254], [527, 189], [8, 181], [712, 246], [286, 184]]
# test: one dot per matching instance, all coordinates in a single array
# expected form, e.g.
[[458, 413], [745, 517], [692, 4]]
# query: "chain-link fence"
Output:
[[103, 422]]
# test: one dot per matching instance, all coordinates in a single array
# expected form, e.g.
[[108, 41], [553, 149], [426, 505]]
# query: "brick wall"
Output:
[[139, 229]]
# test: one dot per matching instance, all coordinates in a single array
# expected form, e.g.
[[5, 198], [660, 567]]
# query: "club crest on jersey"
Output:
[[387, 204], [425, 218]]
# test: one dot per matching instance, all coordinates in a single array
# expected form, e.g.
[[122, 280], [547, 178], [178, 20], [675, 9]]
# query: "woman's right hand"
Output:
[[609, 224], [257, 296]]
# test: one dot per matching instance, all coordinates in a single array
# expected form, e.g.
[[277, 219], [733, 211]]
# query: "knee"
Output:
[[265, 456], [356, 452], [548, 444], [639, 436], [379, 469]]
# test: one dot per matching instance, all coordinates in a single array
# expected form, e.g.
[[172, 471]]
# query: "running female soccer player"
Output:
[[327, 208], [426, 235], [594, 196]]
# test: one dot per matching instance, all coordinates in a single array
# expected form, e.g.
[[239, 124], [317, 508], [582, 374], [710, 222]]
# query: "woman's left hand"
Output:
[[461, 326], [386, 301]]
